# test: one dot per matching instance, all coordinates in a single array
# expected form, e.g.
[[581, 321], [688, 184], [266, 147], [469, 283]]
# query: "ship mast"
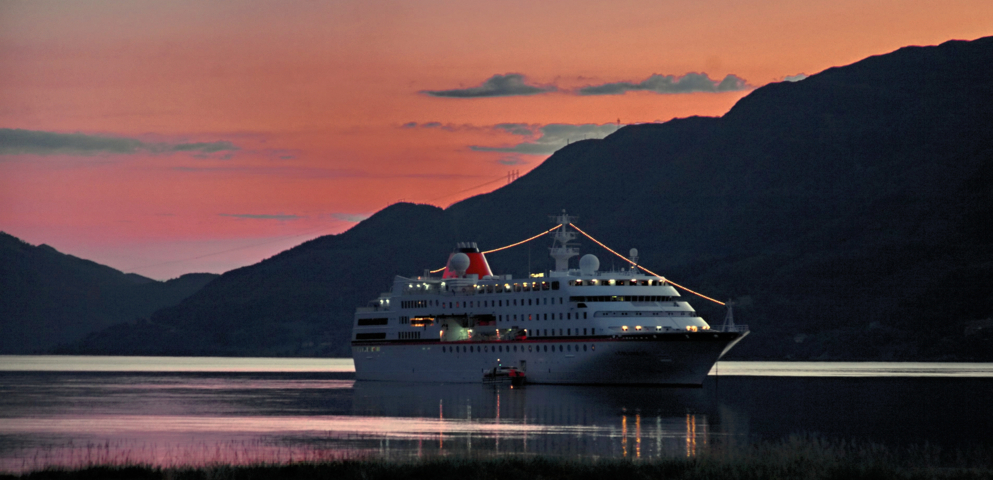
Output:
[[561, 250]]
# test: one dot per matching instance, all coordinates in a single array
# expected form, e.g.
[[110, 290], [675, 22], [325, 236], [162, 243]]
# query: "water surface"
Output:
[[180, 411]]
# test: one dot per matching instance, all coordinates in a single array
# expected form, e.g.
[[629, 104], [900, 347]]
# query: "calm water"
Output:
[[179, 411]]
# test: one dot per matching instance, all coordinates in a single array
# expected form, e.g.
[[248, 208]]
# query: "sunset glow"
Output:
[[164, 138]]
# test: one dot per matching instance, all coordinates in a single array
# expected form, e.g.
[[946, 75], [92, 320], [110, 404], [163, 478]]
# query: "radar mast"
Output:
[[561, 250]]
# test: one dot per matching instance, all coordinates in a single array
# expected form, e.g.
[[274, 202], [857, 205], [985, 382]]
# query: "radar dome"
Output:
[[459, 262], [633, 253], [589, 264]]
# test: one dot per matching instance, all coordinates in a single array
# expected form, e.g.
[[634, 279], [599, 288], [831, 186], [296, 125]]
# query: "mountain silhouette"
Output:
[[846, 213], [50, 298]]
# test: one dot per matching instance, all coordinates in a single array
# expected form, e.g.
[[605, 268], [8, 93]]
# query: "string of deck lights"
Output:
[[546, 232], [550, 230], [643, 268]]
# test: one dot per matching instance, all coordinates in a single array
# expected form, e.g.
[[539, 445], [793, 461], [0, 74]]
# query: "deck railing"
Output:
[[734, 328]]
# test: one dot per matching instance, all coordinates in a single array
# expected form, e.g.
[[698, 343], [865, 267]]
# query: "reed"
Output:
[[801, 457]]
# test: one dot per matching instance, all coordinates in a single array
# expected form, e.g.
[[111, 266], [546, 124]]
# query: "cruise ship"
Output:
[[566, 326]]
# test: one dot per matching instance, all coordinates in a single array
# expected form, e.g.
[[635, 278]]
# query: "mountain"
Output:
[[846, 213], [50, 298]]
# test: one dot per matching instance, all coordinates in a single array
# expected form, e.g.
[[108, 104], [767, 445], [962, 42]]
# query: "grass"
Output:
[[793, 458]]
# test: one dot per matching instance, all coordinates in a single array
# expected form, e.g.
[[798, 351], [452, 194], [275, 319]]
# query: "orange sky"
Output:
[[311, 99]]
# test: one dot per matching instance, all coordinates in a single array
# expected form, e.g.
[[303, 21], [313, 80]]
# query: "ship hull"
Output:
[[682, 359]]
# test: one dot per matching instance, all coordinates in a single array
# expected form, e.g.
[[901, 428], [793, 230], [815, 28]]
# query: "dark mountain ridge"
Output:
[[50, 298], [846, 212]]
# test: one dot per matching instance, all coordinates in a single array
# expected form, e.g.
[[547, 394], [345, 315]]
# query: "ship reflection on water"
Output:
[[77, 419], [74, 418], [615, 422]]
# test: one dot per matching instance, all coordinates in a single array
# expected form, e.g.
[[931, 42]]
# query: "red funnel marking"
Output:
[[477, 264]]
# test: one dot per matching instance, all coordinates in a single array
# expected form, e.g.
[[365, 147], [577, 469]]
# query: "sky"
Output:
[[170, 137]]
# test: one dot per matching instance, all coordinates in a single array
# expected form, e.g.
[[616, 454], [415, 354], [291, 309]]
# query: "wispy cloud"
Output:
[[253, 216], [517, 128], [795, 78], [312, 172], [552, 137], [32, 142], [350, 217], [669, 84], [511, 84], [511, 160], [514, 84]]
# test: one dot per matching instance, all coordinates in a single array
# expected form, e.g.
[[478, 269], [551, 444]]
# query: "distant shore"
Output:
[[795, 457]]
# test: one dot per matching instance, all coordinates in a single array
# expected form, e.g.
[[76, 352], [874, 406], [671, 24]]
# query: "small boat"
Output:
[[502, 374]]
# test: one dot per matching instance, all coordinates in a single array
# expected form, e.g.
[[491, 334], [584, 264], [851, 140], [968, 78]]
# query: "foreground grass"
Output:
[[795, 458]]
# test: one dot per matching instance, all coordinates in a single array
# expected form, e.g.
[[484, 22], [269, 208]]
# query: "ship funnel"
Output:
[[466, 259]]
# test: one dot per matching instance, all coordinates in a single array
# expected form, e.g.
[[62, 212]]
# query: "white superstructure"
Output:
[[576, 326]]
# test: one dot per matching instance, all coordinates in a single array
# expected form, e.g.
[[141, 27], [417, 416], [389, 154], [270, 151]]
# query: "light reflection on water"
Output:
[[227, 413], [181, 419]]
